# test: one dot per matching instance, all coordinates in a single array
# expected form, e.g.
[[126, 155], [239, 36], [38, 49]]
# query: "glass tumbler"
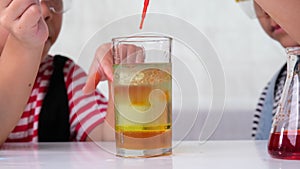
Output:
[[142, 89]]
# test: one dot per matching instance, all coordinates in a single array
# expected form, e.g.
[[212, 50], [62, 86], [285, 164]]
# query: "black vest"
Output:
[[54, 125]]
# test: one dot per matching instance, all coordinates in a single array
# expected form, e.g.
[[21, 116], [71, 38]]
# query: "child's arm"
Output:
[[106, 130], [285, 13], [100, 70], [20, 57]]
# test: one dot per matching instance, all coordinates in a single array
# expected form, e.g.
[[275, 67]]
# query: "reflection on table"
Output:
[[186, 155]]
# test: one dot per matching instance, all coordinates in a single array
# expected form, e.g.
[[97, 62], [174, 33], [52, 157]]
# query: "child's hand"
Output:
[[23, 19], [102, 66]]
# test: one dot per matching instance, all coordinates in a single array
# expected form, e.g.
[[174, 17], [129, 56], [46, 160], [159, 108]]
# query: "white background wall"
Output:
[[248, 56]]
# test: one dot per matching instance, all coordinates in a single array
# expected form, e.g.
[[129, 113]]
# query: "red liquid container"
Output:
[[284, 141], [285, 145]]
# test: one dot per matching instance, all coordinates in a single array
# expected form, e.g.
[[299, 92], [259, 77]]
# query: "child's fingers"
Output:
[[101, 68], [30, 17], [107, 66], [91, 83], [104, 61], [102, 65], [23, 18], [18, 7], [4, 4], [131, 53], [121, 54], [30, 26], [140, 55], [128, 53], [94, 76]]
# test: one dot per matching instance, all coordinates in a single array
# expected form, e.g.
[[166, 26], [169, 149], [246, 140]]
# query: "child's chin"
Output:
[[288, 42]]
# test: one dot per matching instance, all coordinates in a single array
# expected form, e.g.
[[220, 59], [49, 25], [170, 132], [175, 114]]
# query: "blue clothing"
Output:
[[265, 122], [266, 115]]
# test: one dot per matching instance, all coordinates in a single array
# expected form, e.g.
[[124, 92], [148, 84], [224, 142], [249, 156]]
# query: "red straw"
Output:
[[146, 3]]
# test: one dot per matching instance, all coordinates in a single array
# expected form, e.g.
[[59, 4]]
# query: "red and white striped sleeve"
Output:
[[86, 111]]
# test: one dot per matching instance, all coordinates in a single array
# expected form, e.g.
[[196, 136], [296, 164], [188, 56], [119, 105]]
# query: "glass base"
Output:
[[285, 156], [122, 152]]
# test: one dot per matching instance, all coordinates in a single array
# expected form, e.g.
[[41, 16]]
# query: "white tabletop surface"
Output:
[[186, 155]]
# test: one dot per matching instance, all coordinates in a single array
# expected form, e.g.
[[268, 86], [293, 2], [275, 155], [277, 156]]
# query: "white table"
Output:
[[186, 155]]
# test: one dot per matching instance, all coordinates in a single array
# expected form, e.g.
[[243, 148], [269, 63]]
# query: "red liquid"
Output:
[[286, 146], [146, 3]]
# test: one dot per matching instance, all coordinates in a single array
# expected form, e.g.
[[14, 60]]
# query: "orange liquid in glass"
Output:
[[132, 96], [145, 140]]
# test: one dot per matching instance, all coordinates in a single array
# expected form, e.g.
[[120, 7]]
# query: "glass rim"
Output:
[[146, 38], [292, 50]]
